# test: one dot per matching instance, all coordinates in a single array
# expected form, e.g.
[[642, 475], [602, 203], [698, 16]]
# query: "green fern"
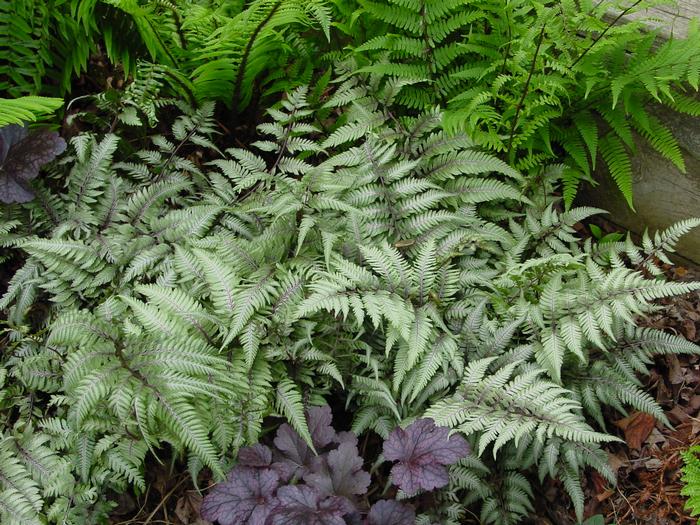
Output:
[[197, 50], [529, 79], [26, 109], [691, 479]]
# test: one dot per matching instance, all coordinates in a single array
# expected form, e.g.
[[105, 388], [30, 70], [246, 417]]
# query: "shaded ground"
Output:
[[649, 467], [649, 471], [171, 499]]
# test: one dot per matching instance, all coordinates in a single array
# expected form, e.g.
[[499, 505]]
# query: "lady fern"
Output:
[[197, 50], [534, 80]]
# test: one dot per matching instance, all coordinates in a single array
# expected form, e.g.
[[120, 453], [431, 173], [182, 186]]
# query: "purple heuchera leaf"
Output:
[[22, 154], [340, 473], [354, 518], [256, 492], [422, 450], [293, 456], [304, 505], [319, 420], [391, 512], [345, 437], [296, 457], [246, 497], [258, 456]]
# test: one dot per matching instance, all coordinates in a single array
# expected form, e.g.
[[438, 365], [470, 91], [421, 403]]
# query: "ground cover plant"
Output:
[[266, 485], [359, 294]]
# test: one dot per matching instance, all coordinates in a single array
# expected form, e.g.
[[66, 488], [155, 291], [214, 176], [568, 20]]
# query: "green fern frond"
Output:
[[618, 162], [26, 109], [691, 479], [289, 404]]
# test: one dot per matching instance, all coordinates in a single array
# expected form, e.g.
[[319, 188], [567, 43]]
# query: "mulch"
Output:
[[649, 471], [648, 465]]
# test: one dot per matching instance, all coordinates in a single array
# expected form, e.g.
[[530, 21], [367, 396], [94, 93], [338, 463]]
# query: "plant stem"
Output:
[[244, 59], [525, 89]]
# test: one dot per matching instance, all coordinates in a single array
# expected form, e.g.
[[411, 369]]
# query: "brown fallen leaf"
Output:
[[694, 404], [688, 329], [187, 507], [676, 374], [637, 427], [600, 486], [656, 437], [677, 415], [653, 464], [695, 427], [693, 315], [679, 272], [616, 461], [605, 495]]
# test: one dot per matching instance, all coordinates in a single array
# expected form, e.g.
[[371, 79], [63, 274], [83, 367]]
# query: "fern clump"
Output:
[[536, 81], [199, 51], [176, 299]]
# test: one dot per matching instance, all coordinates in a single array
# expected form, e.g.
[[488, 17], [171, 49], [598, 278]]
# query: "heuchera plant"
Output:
[[422, 452], [22, 154], [293, 485]]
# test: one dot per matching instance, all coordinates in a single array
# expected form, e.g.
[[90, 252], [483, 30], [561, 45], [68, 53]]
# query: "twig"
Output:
[[628, 503], [519, 107], [162, 501]]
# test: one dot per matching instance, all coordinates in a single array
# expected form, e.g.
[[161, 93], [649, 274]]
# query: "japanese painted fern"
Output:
[[373, 254]]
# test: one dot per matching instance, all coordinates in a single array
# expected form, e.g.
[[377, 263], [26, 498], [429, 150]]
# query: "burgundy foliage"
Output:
[[292, 485], [391, 512], [22, 154], [304, 505], [247, 496], [422, 451]]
